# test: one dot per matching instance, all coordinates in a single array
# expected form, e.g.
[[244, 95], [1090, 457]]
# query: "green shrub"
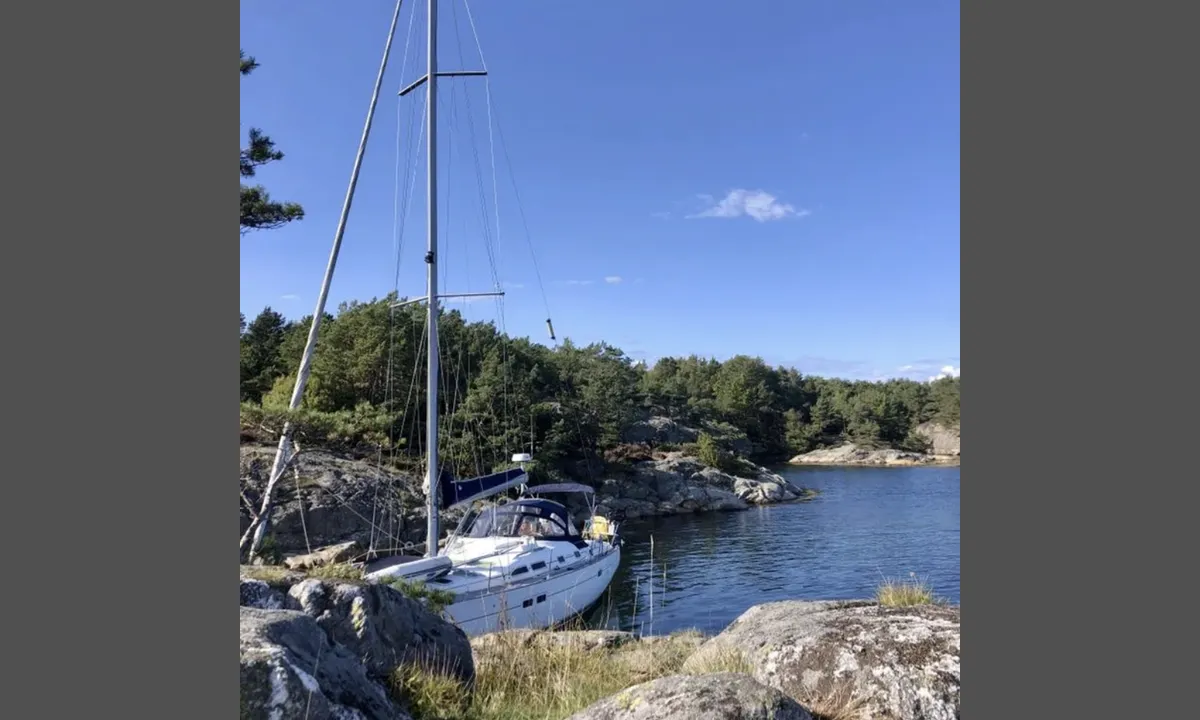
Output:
[[434, 599], [709, 452]]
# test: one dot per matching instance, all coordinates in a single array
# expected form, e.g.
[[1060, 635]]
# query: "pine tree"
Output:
[[259, 211]]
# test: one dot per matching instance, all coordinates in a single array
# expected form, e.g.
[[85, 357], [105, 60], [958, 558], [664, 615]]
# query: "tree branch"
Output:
[[257, 520]]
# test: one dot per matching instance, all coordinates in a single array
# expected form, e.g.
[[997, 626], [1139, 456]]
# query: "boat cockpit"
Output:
[[533, 518]]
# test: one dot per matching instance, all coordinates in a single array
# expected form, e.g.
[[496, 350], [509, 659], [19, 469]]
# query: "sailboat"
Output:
[[520, 564], [517, 564]]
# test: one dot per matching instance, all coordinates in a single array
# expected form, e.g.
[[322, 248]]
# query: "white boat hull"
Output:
[[538, 603], [499, 584]]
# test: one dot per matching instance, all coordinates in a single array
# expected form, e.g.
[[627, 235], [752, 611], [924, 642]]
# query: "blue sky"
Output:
[[777, 179]]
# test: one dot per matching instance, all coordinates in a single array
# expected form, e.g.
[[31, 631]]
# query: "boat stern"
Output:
[[408, 568]]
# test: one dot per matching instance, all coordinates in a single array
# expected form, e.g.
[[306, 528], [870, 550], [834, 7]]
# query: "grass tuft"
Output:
[[721, 660], [520, 680], [280, 576], [340, 571], [434, 599], [840, 704], [431, 694], [904, 593], [273, 575]]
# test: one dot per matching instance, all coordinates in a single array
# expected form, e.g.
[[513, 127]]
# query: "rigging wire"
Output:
[[457, 418], [493, 118], [400, 210], [493, 255], [451, 377]]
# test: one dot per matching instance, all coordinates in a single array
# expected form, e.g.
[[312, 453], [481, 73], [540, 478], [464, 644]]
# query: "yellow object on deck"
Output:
[[600, 527]]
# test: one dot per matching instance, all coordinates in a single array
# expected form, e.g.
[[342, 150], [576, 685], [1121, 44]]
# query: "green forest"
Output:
[[500, 395]]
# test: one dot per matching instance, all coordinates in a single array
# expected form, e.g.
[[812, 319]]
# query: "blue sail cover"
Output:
[[456, 492], [561, 488]]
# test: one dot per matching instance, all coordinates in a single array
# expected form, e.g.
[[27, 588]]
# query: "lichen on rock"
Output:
[[899, 663], [290, 669], [720, 696], [385, 628]]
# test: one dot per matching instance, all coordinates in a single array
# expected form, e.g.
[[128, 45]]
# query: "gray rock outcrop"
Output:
[[679, 483], [331, 555], [385, 629], [943, 440], [851, 454], [660, 431], [289, 669], [897, 663], [320, 649], [328, 517], [334, 501], [259, 594], [656, 430], [722, 696]]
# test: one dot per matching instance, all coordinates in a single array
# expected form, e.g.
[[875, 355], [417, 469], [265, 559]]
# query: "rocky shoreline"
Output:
[[327, 650], [944, 449], [853, 455], [333, 499]]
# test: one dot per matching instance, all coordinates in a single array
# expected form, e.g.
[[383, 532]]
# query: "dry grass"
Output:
[[518, 680], [273, 575], [278, 575], [840, 704], [904, 593], [721, 660], [340, 571]]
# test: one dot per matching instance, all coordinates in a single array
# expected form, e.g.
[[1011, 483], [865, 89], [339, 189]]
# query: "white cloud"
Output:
[[513, 285], [613, 279], [289, 296], [947, 371], [575, 282], [928, 369], [758, 204]]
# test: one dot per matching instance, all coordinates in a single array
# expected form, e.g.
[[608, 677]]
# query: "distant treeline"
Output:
[[500, 395]]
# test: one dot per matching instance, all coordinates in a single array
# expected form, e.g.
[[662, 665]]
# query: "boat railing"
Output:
[[501, 550]]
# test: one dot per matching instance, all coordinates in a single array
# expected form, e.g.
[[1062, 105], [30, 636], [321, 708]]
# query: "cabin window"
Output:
[[520, 570], [561, 559], [539, 519], [566, 527], [541, 598], [537, 527], [539, 565], [527, 603]]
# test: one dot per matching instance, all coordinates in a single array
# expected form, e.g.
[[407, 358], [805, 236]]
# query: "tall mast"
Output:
[[432, 534], [432, 296]]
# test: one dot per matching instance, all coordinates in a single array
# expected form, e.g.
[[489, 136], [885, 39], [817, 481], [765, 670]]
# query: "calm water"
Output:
[[867, 524]]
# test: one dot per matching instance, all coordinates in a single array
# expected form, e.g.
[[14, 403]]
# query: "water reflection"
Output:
[[867, 524]]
